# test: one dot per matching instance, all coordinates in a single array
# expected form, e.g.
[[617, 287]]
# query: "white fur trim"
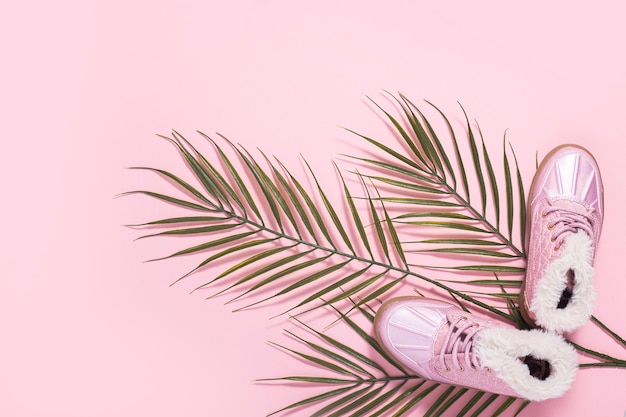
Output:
[[576, 254], [499, 348]]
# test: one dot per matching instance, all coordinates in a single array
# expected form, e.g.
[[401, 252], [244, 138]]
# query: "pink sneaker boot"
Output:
[[565, 213], [441, 342]]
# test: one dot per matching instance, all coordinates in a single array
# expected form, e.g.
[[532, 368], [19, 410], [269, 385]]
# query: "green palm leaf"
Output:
[[360, 385], [275, 239]]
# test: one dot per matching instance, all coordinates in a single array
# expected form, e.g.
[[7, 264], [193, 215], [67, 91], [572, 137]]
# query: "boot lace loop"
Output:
[[459, 342], [571, 222]]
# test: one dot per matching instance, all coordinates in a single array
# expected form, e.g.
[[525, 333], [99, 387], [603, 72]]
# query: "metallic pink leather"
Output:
[[434, 339], [566, 197]]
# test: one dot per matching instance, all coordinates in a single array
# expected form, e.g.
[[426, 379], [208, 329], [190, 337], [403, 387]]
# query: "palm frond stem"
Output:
[[333, 251]]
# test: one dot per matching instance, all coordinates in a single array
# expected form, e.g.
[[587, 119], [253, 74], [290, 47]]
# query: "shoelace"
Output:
[[459, 341], [572, 222]]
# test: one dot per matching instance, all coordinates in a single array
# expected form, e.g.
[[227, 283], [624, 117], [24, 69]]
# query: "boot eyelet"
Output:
[[550, 226], [461, 368], [447, 368], [543, 214]]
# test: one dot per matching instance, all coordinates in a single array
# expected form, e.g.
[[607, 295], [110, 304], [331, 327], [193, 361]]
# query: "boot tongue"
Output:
[[571, 205], [573, 216], [441, 335]]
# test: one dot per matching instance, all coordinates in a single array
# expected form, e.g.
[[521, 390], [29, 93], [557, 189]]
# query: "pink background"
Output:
[[89, 330]]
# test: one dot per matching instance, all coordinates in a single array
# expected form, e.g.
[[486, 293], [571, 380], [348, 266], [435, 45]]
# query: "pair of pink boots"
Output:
[[441, 342]]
